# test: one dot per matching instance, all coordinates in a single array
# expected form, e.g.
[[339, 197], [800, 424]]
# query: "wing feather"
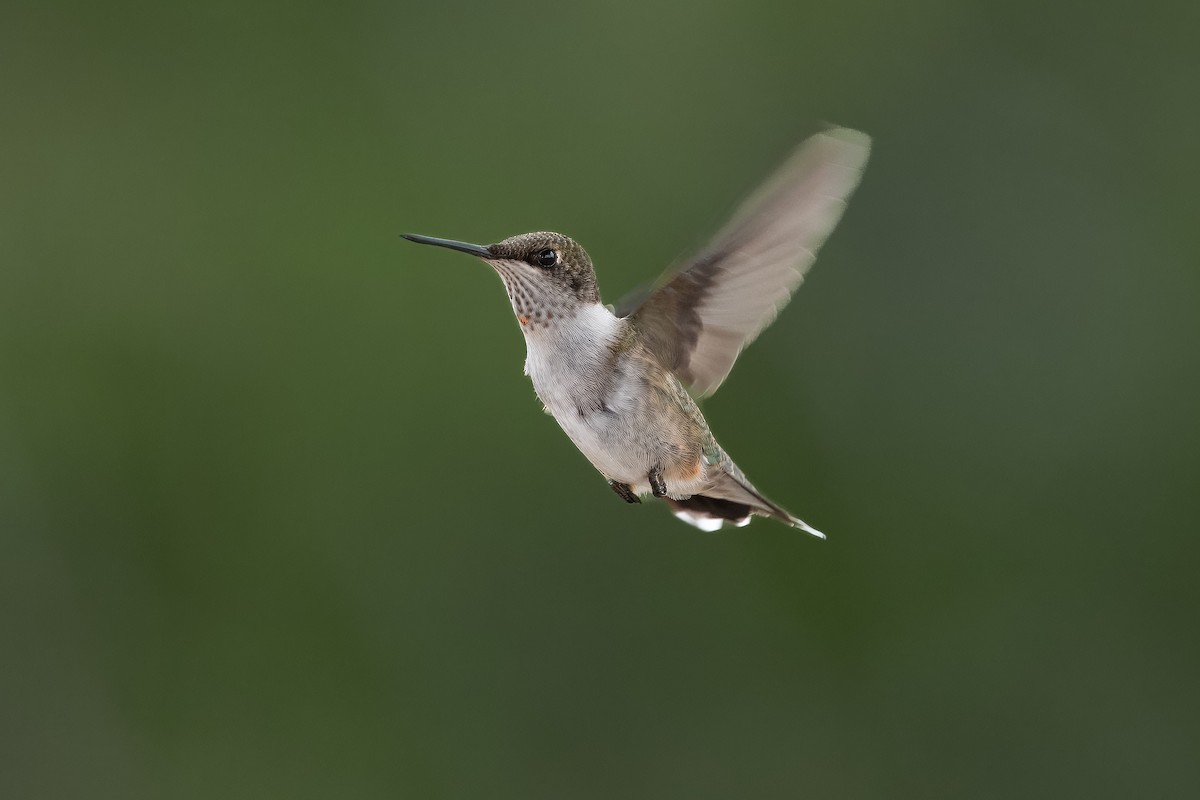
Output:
[[706, 311]]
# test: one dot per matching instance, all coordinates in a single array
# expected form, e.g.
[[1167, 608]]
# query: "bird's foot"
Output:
[[658, 487], [624, 492]]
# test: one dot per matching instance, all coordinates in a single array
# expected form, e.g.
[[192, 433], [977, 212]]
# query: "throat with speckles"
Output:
[[533, 305]]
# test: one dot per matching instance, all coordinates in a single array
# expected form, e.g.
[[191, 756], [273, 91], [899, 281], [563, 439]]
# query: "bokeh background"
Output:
[[281, 517]]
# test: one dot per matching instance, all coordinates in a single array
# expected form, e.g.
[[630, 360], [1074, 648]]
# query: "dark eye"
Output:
[[545, 258]]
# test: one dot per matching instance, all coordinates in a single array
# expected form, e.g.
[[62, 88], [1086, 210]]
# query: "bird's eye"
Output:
[[545, 258]]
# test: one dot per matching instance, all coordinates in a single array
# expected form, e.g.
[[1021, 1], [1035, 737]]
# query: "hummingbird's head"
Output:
[[546, 274]]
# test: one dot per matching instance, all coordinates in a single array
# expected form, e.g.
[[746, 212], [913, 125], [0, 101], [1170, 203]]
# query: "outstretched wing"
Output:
[[702, 315]]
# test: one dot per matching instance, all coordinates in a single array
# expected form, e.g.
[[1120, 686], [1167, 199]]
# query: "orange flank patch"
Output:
[[691, 472], [521, 318]]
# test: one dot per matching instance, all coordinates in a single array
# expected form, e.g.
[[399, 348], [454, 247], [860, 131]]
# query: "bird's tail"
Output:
[[732, 500]]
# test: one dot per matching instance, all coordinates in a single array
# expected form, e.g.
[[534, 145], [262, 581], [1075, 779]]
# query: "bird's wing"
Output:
[[703, 313]]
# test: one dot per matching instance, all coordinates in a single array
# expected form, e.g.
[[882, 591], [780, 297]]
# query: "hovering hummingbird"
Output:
[[617, 379]]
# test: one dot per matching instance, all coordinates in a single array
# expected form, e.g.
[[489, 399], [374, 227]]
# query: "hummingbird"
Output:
[[622, 381]]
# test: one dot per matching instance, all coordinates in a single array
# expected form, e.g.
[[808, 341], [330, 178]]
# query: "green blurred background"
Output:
[[280, 516]]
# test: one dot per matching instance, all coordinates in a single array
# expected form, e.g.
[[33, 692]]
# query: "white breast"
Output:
[[591, 397], [567, 357]]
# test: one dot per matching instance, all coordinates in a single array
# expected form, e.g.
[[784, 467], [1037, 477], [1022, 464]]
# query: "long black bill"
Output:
[[462, 247]]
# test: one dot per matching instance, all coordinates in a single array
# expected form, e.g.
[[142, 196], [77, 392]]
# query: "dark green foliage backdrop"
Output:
[[280, 517]]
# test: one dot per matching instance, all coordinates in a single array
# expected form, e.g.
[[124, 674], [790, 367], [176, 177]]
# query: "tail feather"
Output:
[[710, 513], [732, 499]]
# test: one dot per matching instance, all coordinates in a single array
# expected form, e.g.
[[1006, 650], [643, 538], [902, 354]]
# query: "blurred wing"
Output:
[[701, 316]]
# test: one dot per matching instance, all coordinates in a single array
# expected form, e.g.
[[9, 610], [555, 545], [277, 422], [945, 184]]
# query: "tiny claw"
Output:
[[658, 487], [624, 492]]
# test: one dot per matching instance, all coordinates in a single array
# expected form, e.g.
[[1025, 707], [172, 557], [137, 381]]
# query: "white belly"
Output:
[[613, 436], [602, 404]]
